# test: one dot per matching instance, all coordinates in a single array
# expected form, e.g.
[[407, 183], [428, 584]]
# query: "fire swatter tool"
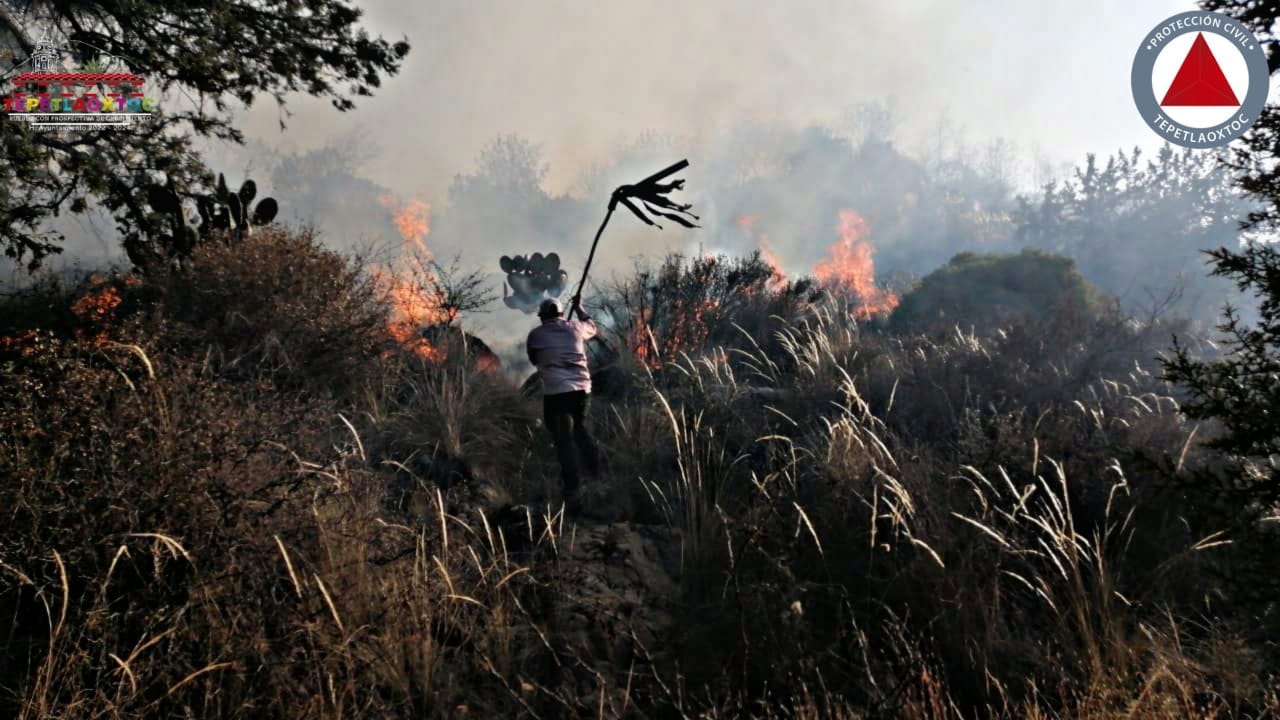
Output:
[[650, 194]]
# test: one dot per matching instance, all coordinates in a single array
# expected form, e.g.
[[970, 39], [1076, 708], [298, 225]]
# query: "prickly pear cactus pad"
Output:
[[531, 279]]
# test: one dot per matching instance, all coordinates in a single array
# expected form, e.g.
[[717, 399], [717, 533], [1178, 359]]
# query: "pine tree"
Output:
[[1240, 390]]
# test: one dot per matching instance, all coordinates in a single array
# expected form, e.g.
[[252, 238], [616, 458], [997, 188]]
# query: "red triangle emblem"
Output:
[[1200, 82]]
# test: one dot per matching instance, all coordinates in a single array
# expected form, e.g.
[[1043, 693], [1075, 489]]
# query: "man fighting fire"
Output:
[[557, 348]]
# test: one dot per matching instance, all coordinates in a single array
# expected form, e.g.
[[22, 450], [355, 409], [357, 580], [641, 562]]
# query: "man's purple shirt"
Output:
[[558, 348]]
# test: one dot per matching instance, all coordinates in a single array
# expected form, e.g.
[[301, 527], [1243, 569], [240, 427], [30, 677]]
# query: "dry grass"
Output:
[[869, 526]]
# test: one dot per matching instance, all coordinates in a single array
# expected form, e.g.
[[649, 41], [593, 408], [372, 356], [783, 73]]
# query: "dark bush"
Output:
[[801, 514], [980, 293], [276, 306]]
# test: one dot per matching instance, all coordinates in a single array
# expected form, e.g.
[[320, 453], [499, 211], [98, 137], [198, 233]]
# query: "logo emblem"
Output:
[[47, 95], [1200, 79]]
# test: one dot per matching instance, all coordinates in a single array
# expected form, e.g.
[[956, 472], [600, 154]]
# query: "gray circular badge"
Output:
[[1199, 21]]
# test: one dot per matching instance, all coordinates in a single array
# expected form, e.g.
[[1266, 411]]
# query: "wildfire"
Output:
[[487, 364], [23, 343], [406, 284], [413, 220], [411, 311], [682, 325], [642, 341], [96, 307], [747, 224], [686, 331], [97, 304], [778, 280], [848, 267]]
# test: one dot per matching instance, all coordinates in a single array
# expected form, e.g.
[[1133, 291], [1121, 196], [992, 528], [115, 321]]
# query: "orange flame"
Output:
[[413, 220], [407, 283], [97, 304], [686, 331], [23, 343], [848, 267], [96, 309], [747, 224], [411, 310], [487, 364], [644, 345], [778, 280]]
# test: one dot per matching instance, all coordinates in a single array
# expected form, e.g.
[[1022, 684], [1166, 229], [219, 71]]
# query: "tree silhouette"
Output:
[[1240, 391], [1138, 227]]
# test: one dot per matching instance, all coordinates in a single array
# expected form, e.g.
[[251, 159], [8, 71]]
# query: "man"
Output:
[[557, 348]]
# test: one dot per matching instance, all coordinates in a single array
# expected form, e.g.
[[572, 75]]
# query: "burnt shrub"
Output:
[[689, 305], [150, 436], [137, 484]]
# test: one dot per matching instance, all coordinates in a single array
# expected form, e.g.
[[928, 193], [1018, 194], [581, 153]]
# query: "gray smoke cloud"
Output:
[[608, 92], [584, 78], [728, 85]]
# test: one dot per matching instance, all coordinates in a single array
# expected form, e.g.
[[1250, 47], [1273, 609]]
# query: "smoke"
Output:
[[583, 78], [921, 116], [759, 97]]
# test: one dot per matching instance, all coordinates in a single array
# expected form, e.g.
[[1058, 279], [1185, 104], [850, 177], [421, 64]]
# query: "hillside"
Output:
[[233, 492]]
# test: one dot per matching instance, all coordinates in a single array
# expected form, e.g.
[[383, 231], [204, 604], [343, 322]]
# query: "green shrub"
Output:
[[980, 293]]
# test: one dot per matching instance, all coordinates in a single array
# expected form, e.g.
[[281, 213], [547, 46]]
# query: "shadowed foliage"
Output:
[[211, 52], [981, 293], [234, 495]]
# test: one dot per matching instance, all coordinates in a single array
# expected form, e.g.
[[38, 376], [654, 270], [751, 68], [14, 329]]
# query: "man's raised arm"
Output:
[[586, 326]]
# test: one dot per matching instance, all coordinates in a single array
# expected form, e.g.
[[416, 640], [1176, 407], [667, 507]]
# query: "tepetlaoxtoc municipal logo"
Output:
[[47, 96], [1200, 79]]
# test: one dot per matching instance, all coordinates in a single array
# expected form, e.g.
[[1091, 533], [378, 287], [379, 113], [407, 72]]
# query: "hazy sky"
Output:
[[583, 77]]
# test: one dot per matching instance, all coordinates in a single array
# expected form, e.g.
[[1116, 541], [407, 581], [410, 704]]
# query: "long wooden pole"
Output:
[[577, 296]]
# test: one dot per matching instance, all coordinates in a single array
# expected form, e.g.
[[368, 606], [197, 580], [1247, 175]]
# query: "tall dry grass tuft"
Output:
[[690, 499], [451, 425], [855, 433]]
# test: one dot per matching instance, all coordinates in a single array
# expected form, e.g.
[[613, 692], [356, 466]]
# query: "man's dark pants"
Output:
[[565, 416]]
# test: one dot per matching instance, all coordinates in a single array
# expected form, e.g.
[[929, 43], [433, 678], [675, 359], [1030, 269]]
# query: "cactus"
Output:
[[530, 277], [220, 212], [181, 238], [238, 216]]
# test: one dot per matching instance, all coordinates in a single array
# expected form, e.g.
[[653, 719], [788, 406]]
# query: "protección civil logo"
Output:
[[1200, 79]]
